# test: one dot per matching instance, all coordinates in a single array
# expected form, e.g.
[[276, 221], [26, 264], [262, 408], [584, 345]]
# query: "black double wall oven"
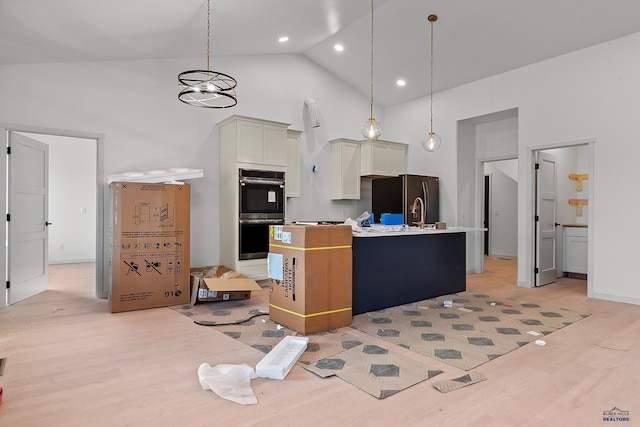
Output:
[[262, 199]]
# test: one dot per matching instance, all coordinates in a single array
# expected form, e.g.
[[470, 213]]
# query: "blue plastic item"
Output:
[[391, 219]]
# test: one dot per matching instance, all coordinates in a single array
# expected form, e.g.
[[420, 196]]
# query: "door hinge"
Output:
[[8, 217], [8, 284], [536, 218], [8, 150], [536, 271], [537, 166]]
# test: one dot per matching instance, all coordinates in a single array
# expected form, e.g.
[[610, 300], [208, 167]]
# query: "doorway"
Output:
[[97, 182], [486, 210], [500, 210], [570, 159]]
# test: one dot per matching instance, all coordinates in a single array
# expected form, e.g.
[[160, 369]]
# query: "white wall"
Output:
[[72, 198], [560, 101], [134, 104], [586, 95], [503, 213]]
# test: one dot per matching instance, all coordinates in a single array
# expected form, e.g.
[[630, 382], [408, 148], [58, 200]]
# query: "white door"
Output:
[[28, 210], [545, 263]]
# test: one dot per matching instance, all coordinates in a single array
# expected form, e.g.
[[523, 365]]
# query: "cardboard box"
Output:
[[150, 245], [310, 284], [219, 283]]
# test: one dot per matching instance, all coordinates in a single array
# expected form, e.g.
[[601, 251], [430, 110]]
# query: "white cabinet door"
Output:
[[383, 158], [250, 142], [260, 143], [345, 169], [575, 250], [379, 159], [397, 155], [274, 147], [292, 175]]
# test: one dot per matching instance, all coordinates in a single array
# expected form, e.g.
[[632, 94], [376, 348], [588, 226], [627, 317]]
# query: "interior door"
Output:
[[546, 184], [486, 212], [28, 207]]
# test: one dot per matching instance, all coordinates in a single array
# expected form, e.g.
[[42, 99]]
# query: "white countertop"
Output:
[[381, 231]]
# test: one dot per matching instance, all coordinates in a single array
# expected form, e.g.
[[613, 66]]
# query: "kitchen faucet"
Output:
[[413, 211]]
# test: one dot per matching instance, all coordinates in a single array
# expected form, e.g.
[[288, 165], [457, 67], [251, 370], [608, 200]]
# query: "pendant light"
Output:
[[371, 129], [206, 88], [432, 141]]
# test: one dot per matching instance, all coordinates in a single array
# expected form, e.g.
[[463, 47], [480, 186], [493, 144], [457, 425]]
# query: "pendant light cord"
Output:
[[208, 32], [371, 103], [432, 19]]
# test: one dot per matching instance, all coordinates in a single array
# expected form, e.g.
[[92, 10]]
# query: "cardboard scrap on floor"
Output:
[[373, 369], [456, 383]]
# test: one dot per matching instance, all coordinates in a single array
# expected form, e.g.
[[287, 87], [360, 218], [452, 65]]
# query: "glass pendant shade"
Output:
[[371, 129], [431, 142]]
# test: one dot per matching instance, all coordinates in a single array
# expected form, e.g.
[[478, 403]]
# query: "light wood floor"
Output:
[[72, 363]]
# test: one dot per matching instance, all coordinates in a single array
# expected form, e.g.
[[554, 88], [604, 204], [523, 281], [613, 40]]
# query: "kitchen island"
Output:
[[399, 267]]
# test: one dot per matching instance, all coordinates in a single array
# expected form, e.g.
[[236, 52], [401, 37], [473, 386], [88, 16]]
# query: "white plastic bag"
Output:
[[231, 382]]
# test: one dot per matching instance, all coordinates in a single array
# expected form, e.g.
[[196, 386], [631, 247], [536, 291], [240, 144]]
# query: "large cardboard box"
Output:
[[310, 270], [219, 283], [150, 245]]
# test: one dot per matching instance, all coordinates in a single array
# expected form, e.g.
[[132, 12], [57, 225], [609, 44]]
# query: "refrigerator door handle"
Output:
[[425, 194]]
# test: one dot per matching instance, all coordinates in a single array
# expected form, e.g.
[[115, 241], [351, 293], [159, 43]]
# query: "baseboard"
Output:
[[72, 261], [502, 256]]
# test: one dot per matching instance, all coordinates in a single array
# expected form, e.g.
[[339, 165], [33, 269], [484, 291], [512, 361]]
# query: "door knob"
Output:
[[47, 223]]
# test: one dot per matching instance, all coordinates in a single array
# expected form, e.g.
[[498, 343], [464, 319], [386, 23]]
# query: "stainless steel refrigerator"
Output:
[[397, 195]]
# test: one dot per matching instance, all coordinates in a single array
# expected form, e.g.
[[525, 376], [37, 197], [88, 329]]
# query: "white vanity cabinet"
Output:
[[575, 249], [383, 158], [345, 169]]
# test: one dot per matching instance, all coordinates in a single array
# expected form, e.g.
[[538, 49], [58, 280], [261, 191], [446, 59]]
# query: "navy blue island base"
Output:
[[405, 268]]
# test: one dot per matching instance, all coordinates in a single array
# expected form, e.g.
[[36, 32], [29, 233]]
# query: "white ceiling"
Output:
[[473, 39]]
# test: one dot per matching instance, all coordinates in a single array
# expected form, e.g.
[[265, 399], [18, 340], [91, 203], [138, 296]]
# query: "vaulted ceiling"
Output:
[[473, 39]]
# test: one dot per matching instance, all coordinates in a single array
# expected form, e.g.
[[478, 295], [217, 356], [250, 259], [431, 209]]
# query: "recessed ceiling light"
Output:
[[401, 82], [283, 39], [338, 47]]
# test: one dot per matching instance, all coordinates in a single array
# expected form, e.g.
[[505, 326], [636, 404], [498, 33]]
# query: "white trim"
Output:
[[527, 259], [102, 286]]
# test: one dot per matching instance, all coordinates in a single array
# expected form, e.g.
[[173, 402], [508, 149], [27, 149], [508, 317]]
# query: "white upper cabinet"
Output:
[[383, 158], [258, 142], [345, 169]]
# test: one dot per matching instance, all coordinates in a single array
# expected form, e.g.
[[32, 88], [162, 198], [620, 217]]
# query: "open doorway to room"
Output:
[[75, 220], [564, 249], [72, 198], [500, 211], [484, 142]]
